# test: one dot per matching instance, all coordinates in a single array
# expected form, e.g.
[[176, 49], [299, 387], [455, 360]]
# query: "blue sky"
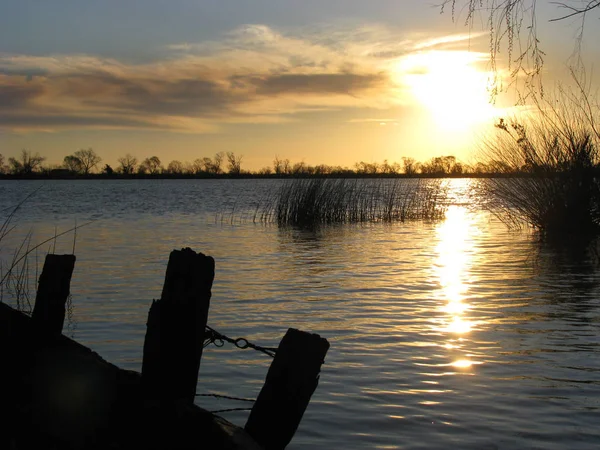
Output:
[[330, 81], [132, 28]]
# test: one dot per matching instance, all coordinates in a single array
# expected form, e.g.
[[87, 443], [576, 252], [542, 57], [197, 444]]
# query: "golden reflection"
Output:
[[459, 325], [452, 268], [462, 363], [452, 265]]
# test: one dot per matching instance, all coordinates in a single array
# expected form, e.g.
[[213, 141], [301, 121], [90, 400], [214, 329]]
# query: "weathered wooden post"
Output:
[[291, 381], [175, 328], [53, 291]]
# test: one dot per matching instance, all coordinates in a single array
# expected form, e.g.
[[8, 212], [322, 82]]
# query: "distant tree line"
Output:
[[86, 162]]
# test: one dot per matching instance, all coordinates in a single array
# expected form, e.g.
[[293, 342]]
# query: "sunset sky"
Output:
[[329, 81]]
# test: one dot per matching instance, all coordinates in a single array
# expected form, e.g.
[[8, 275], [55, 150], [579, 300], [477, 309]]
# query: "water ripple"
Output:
[[458, 334]]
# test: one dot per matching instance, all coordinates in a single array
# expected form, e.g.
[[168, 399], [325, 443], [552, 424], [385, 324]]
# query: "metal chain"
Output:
[[212, 336]]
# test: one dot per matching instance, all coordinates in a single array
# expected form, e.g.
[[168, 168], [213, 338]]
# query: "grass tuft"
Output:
[[15, 275], [316, 201], [555, 156]]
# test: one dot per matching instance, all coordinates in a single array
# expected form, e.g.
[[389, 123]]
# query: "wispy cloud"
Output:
[[451, 41], [254, 74]]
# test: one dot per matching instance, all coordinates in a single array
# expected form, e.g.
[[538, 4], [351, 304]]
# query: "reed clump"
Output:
[[551, 161], [18, 273], [315, 201]]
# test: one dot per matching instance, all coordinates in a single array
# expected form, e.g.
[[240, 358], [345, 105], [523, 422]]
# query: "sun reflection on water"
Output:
[[452, 268], [462, 363]]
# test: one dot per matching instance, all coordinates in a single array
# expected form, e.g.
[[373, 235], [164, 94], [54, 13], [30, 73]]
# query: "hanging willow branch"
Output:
[[513, 27]]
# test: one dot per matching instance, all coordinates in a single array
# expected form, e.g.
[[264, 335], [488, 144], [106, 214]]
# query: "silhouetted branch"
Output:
[[575, 11]]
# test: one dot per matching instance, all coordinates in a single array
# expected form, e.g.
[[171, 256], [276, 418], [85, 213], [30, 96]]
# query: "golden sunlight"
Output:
[[456, 252], [450, 86], [452, 269], [452, 261], [462, 363]]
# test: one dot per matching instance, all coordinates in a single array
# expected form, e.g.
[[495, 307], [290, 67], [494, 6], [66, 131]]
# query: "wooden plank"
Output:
[[175, 328], [53, 291], [289, 385]]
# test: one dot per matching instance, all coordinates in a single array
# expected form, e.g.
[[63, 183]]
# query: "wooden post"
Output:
[[59, 394], [291, 381], [53, 291], [175, 328]]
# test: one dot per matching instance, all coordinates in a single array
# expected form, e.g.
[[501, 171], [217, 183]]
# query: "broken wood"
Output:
[[59, 394], [289, 385], [175, 328], [53, 292]]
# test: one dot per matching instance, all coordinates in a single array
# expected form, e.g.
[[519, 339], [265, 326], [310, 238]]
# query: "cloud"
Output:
[[449, 41], [49, 121], [14, 95], [325, 84], [255, 74]]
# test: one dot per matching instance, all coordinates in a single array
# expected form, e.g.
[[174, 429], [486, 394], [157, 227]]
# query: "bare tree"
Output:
[[1, 163], [390, 169], [277, 165], [300, 168], [128, 164], [27, 164], [150, 165], [88, 158], [410, 165], [197, 166], [323, 169], [207, 164], [72, 163], [188, 168], [234, 163], [214, 165], [440, 165], [458, 168], [175, 167], [366, 168], [218, 162]]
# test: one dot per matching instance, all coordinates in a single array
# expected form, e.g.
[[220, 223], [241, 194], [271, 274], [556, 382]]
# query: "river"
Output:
[[458, 333]]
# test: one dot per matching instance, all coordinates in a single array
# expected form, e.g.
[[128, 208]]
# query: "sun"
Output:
[[450, 86]]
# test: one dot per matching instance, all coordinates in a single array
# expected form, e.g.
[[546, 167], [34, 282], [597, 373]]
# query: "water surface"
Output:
[[453, 334]]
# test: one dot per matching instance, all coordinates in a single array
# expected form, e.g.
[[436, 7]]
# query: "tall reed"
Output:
[[14, 275], [314, 201], [16, 282], [555, 155]]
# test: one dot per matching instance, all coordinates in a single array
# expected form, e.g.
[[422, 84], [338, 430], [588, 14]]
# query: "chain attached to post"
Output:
[[212, 336]]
